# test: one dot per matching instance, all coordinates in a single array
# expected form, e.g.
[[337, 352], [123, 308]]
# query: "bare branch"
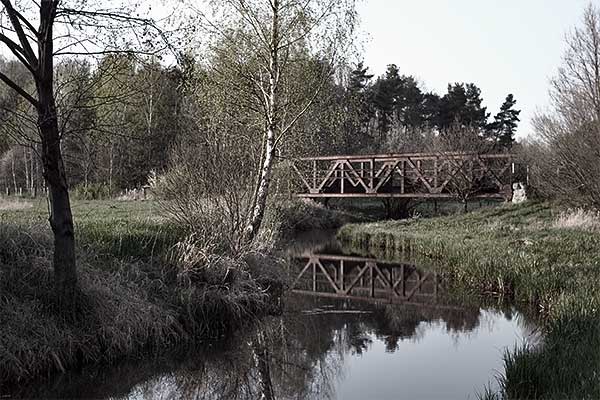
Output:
[[15, 19], [9, 82]]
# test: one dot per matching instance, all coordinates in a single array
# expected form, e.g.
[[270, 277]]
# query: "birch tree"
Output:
[[265, 40], [36, 34]]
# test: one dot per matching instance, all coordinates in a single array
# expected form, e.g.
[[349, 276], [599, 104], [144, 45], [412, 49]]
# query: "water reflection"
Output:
[[360, 278], [353, 328]]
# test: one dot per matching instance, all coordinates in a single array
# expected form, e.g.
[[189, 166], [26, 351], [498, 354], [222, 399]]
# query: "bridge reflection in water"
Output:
[[359, 278]]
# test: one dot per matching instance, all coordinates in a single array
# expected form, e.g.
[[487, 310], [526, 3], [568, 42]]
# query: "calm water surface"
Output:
[[353, 328]]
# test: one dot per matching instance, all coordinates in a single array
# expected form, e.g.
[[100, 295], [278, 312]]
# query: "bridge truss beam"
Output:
[[416, 175]]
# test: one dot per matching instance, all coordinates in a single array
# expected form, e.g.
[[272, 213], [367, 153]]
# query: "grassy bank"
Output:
[[146, 286], [536, 253]]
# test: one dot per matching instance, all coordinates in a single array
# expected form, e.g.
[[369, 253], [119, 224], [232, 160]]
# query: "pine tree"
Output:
[[502, 130], [410, 103], [385, 97], [359, 108], [359, 78], [462, 106]]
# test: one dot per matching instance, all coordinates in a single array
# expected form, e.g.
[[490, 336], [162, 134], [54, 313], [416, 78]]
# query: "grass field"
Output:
[[123, 229], [537, 253]]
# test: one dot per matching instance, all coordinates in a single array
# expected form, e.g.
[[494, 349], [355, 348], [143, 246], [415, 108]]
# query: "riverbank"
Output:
[[287, 218], [538, 253], [146, 286]]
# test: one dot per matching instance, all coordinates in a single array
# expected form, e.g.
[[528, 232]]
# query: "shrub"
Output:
[[208, 190], [564, 159], [287, 217]]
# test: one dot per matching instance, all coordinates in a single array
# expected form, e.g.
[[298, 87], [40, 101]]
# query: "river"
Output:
[[352, 327]]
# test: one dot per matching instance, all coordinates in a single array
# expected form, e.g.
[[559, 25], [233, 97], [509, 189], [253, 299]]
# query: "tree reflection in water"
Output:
[[298, 355]]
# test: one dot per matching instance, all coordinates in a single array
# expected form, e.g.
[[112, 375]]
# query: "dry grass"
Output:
[[10, 204], [128, 306], [578, 218]]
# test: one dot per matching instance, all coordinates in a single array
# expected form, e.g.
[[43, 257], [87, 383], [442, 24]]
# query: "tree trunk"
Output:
[[272, 119], [262, 192], [14, 175], [32, 171], [110, 171], [61, 219], [26, 163], [37, 178]]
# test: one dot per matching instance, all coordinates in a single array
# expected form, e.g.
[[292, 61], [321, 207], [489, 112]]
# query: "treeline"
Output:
[[123, 117], [395, 114], [118, 119]]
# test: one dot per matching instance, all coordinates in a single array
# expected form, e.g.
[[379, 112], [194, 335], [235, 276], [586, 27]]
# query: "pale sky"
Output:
[[503, 46]]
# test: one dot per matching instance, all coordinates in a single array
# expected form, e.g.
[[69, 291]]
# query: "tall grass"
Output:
[[12, 204], [145, 286], [534, 253]]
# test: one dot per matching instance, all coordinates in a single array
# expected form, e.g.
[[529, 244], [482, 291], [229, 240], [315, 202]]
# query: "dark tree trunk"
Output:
[[61, 219], [397, 208]]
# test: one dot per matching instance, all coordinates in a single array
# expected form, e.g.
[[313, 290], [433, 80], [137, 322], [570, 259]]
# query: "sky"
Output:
[[503, 46]]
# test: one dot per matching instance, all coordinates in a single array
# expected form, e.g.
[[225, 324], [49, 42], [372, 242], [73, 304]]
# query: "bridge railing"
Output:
[[424, 175]]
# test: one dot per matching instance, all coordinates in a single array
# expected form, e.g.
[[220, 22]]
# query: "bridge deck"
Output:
[[414, 175]]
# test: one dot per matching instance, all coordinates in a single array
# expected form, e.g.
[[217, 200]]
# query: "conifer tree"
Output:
[[504, 127]]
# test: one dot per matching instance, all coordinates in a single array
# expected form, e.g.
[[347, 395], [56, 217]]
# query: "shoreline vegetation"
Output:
[[146, 286], [539, 253]]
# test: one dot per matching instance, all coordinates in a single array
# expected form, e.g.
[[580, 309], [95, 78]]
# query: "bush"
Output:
[[208, 191], [564, 158], [287, 217]]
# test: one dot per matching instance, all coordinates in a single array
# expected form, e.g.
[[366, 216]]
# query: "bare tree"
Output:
[[465, 173], [266, 40], [36, 34], [564, 159]]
